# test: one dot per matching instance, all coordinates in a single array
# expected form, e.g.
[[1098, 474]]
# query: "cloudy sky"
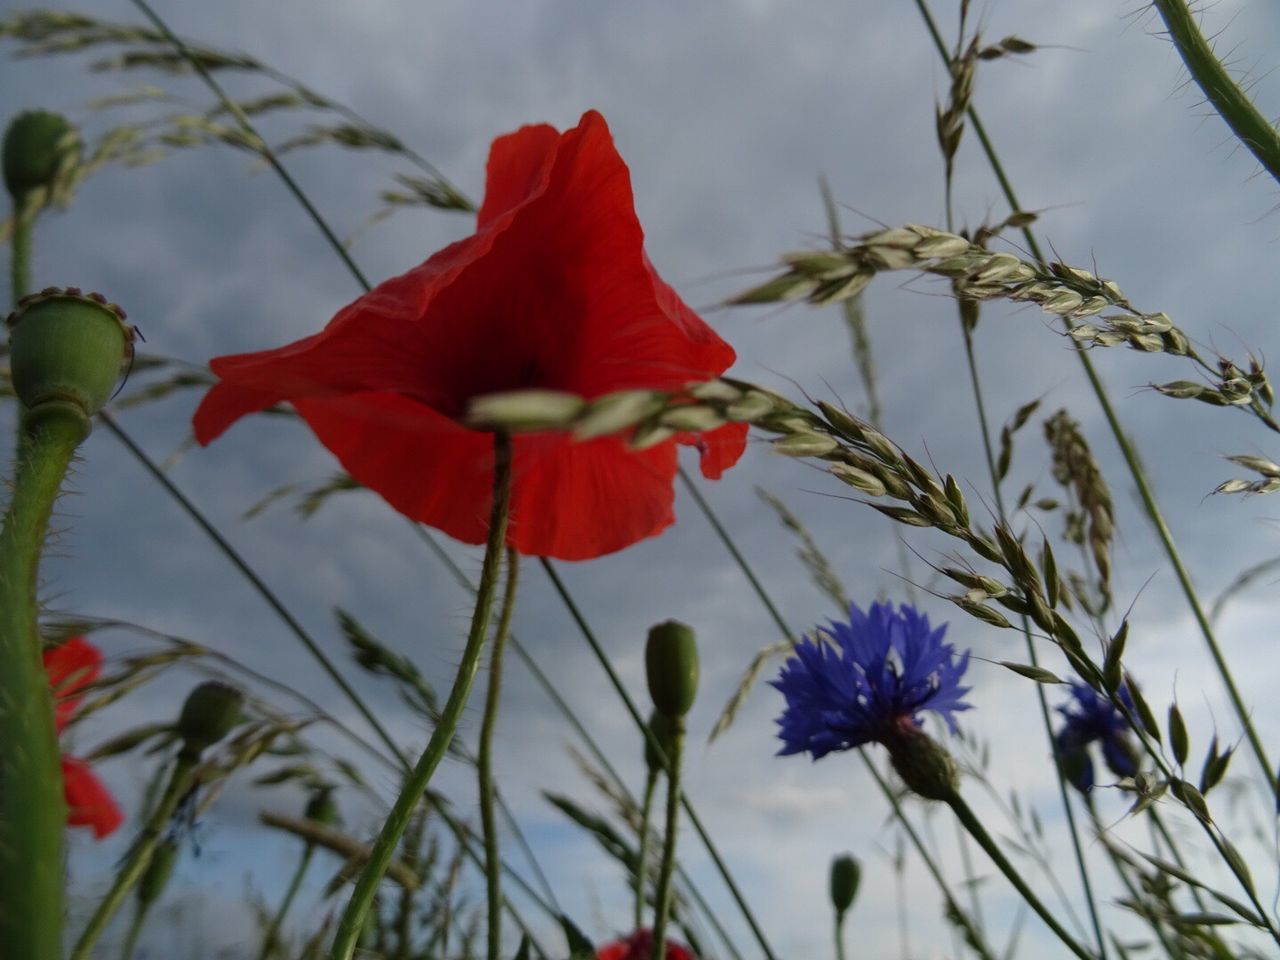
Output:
[[727, 113]]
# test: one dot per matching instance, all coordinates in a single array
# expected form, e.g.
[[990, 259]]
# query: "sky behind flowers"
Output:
[[726, 115]]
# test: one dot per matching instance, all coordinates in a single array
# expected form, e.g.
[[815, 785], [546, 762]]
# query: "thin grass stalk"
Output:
[[607, 666], [181, 781], [568, 713], [393, 827], [273, 931], [484, 759], [642, 858], [979, 833], [1127, 450]]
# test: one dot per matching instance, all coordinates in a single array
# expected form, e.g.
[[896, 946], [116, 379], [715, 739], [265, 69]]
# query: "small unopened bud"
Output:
[[671, 662], [662, 731], [37, 147], [322, 809], [211, 711], [846, 872], [923, 764], [68, 348], [158, 872]]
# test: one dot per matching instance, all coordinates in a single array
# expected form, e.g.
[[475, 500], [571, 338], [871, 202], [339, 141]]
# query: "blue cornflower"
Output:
[[868, 681], [1091, 717]]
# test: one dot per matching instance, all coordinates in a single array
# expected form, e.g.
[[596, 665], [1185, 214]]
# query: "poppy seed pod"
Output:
[[37, 146], [671, 662], [68, 348], [209, 714], [156, 878], [662, 731], [846, 873], [923, 764]]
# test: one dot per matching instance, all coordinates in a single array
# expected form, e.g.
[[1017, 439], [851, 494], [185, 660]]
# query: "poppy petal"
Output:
[[718, 449], [71, 667], [517, 169], [569, 500], [89, 802]]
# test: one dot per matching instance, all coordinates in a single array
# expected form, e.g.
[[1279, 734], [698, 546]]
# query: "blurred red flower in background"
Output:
[[639, 946], [71, 667], [553, 291]]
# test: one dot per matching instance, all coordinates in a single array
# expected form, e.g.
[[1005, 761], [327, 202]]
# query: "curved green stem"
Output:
[[642, 858], [273, 931], [181, 780], [416, 783], [32, 810], [484, 759], [979, 833], [1232, 104], [663, 893]]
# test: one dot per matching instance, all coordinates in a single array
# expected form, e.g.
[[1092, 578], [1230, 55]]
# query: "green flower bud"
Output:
[[671, 662], [322, 809], [663, 732], [846, 872], [38, 147], [923, 764], [68, 348], [211, 711], [156, 878]]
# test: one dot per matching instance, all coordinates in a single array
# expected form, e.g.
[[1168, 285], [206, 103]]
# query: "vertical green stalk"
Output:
[[20, 251], [839, 936], [273, 931], [181, 780], [32, 810], [393, 828], [484, 759], [663, 893], [979, 833], [642, 859]]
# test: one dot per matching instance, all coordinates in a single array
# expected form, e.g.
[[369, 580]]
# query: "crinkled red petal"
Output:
[[71, 667], [89, 802], [639, 946], [571, 501]]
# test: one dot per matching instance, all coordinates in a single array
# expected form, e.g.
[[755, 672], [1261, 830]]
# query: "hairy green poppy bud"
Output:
[[662, 731], [923, 764], [322, 809], [209, 714], [846, 872], [671, 662], [156, 878], [37, 147], [68, 348]]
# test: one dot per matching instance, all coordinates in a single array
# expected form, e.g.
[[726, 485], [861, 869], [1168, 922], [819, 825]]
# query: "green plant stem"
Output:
[[979, 833], [135, 931], [20, 251], [32, 810], [839, 936], [695, 821], [393, 828], [1127, 450], [663, 893], [567, 712], [642, 858], [1232, 104], [978, 940], [181, 781], [1046, 717], [273, 931], [484, 759]]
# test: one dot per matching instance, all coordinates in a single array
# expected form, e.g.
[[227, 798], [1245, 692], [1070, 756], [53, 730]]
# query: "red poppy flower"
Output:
[[71, 666], [553, 291], [639, 946]]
